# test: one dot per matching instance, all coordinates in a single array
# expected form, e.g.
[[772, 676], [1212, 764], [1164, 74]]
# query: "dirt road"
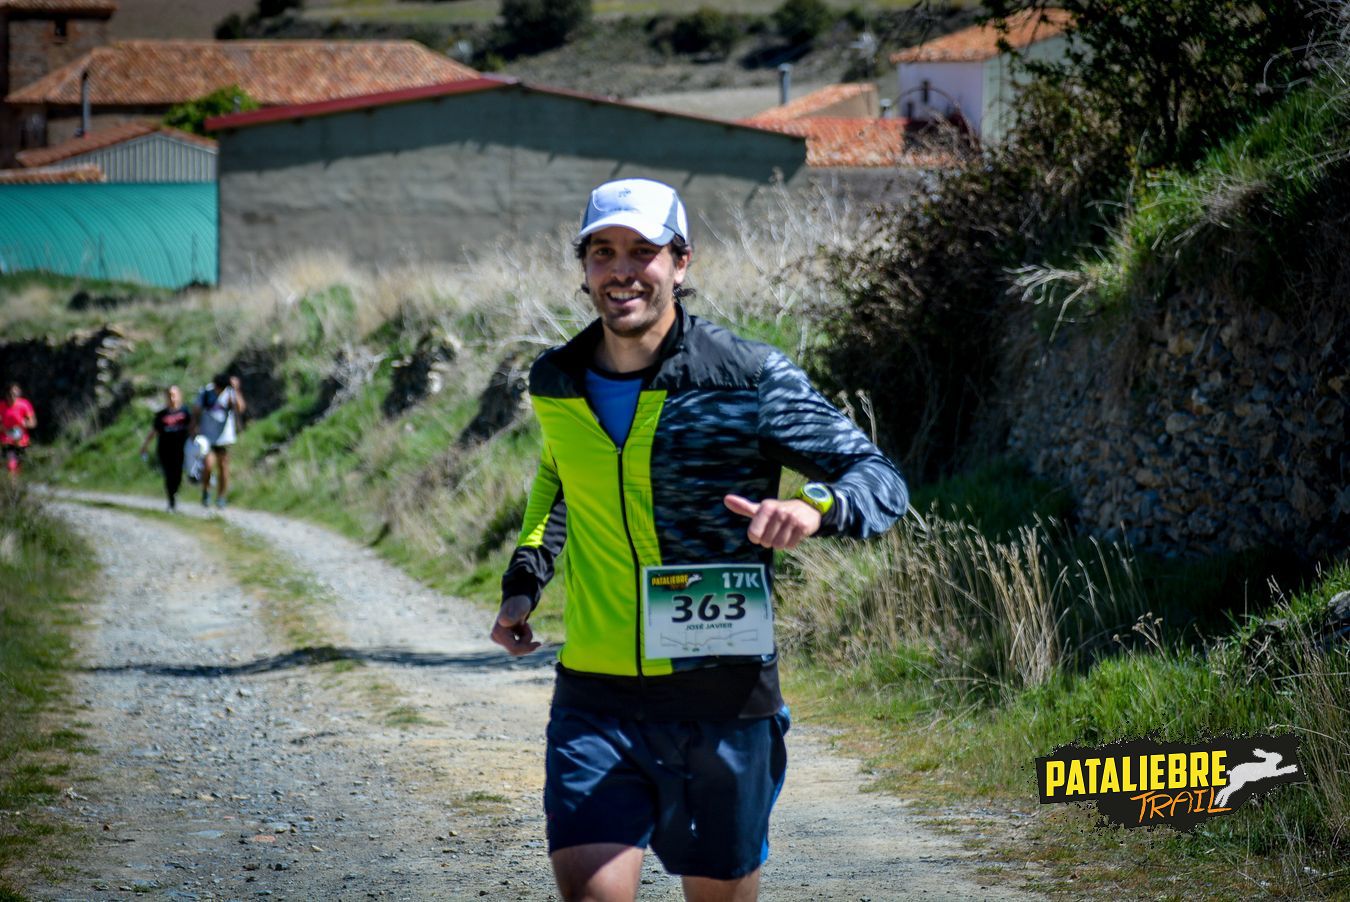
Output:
[[227, 766]]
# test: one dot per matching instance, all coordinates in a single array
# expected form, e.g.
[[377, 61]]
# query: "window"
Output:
[[61, 29]]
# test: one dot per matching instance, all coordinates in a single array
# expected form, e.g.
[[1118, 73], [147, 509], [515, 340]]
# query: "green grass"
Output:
[[1245, 204], [925, 741], [44, 568], [997, 497]]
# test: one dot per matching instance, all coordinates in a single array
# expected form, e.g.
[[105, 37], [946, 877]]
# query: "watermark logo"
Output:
[[1143, 782]]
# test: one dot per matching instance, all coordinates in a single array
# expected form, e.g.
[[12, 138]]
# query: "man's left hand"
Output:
[[775, 523]]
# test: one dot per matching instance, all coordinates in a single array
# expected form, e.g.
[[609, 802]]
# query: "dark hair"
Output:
[[221, 380], [679, 248]]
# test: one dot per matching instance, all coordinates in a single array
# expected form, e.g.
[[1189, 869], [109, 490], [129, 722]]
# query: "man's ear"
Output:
[[682, 267]]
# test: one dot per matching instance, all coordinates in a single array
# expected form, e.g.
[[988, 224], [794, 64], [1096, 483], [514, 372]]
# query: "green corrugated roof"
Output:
[[160, 234]]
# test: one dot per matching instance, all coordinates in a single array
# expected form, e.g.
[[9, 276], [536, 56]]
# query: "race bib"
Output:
[[706, 609]]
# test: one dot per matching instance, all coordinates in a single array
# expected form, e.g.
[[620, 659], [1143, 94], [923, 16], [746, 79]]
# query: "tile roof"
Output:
[[275, 73], [42, 176], [106, 137], [853, 143], [818, 100], [61, 6], [980, 42], [468, 86]]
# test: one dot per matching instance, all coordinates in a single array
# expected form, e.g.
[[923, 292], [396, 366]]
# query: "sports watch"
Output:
[[818, 495]]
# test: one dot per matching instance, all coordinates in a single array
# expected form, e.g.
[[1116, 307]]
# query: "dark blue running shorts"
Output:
[[699, 792]]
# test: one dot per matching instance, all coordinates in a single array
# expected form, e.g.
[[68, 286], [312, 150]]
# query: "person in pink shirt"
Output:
[[16, 419]]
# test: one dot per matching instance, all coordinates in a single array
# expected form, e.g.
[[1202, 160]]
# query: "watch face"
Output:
[[816, 492], [818, 496]]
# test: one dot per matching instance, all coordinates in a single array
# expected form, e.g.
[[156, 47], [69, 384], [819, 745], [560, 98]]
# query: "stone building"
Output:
[[439, 173], [38, 37]]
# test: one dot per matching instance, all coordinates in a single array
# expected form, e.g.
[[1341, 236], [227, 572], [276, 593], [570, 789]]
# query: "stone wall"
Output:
[[1213, 426], [69, 380]]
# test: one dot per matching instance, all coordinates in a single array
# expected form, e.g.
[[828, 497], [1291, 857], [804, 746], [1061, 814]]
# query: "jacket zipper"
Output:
[[637, 577]]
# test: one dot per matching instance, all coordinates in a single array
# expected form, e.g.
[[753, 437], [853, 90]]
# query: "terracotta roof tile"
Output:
[[449, 89], [106, 137], [818, 100], [854, 143], [43, 176], [61, 6], [275, 73], [980, 42]]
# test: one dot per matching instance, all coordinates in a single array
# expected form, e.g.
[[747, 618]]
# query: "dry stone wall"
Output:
[[1215, 426], [70, 381]]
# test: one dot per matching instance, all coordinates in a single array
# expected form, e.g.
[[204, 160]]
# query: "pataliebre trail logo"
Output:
[[1142, 782]]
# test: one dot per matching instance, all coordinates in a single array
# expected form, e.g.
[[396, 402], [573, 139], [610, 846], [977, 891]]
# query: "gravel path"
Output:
[[228, 767]]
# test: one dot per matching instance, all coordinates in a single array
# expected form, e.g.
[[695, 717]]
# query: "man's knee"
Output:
[[703, 889], [598, 872]]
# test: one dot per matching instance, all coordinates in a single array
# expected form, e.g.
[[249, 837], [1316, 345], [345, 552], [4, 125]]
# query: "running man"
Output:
[[17, 419], [664, 437], [169, 428], [219, 407]]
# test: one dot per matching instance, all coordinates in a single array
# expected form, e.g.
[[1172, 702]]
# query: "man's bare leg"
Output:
[[598, 872], [223, 480], [704, 889], [208, 464]]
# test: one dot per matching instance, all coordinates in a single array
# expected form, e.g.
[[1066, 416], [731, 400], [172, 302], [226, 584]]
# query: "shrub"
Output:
[[532, 26], [928, 301], [1180, 75], [924, 302], [706, 30], [192, 115], [800, 21], [268, 9]]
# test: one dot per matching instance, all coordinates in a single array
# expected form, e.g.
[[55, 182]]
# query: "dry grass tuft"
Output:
[[1002, 614]]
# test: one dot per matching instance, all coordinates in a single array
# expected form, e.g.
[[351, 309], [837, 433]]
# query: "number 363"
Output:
[[708, 609]]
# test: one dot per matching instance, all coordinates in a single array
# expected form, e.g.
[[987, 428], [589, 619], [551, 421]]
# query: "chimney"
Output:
[[886, 104], [784, 82], [84, 104]]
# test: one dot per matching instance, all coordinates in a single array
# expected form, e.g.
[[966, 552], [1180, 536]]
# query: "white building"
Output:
[[964, 77]]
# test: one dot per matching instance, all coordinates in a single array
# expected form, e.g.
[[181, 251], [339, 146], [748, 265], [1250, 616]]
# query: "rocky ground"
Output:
[[225, 765]]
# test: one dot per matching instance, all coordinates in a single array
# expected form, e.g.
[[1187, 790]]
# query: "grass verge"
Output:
[[43, 569], [925, 738]]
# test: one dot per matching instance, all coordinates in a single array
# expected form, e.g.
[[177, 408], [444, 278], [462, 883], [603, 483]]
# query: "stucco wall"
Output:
[[955, 86], [63, 123], [1001, 81], [436, 179]]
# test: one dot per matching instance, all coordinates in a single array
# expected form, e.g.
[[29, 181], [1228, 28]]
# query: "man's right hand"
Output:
[[512, 630]]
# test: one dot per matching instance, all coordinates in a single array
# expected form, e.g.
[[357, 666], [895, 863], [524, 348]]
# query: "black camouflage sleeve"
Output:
[[800, 429]]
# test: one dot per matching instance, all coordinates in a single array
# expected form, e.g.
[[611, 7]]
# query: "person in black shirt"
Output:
[[170, 427]]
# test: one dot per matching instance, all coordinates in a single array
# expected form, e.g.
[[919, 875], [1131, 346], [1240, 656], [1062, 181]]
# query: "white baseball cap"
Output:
[[650, 208]]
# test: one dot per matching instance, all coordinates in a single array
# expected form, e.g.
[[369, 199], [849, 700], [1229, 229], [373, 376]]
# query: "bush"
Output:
[[192, 115], [928, 302], [230, 28], [1180, 75], [532, 26], [234, 26], [706, 30], [800, 21], [925, 302]]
